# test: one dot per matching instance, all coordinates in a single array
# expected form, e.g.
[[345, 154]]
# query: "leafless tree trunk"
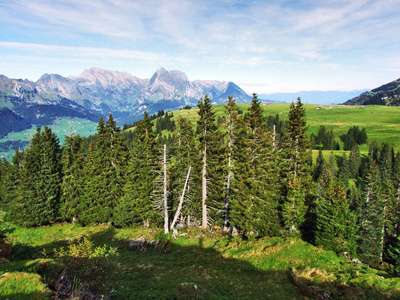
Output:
[[228, 187], [204, 189], [166, 231], [179, 209]]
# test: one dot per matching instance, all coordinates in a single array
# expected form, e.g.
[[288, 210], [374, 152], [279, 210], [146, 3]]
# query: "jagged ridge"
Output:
[[98, 91]]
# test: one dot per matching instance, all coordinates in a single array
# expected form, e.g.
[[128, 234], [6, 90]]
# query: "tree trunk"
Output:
[[204, 189], [179, 209], [228, 188], [274, 137], [166, 231]]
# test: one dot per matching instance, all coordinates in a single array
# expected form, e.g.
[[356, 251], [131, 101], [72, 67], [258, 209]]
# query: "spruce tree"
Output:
[[344, 171], [106, 169], [354, 162], [39, 191], [11, 180], [336, 228], [371, 235], [207, 128], [320, 166], [72, 187], [255, 190], [136, 206], [234, 127], [298, 210]]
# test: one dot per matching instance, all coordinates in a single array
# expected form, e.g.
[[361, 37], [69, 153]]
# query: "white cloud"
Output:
[[244, 36]]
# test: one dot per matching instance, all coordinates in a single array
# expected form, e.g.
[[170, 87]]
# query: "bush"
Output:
[[87, 265]]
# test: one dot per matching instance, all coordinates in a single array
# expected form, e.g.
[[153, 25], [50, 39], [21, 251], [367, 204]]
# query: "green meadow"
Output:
[[194, 265], [61, 127], [381, 122]]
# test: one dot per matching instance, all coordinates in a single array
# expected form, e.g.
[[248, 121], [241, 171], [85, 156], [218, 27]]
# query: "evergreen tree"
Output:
[[106, 180], [354, 162], [233, 126], [11, 180], [136, 206], [184, 147], [336, 223], [320, 166], [296, 177], [255, 193], [371, 235], [207, 128], [39, 188], [72, 187], [344, 171]]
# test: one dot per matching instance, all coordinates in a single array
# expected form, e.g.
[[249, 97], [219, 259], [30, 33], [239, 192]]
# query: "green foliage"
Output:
[[371, 235], [72, 187], [294, 207], [35, 196], [325, 140], [297, 188], [82, 247], [207, 137], [104, 178], [255, 194], [336, 223], [354, 137], [135, 206], [186, 153]]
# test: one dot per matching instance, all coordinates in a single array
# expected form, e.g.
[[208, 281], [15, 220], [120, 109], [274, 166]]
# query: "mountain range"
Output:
[[97, 93]]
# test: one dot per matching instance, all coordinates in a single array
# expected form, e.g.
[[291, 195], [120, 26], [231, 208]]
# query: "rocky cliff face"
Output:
[[101, 92]]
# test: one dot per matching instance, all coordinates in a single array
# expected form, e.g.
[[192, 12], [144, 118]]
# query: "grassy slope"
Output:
[[382, 122], [61, 127], [193, 266]]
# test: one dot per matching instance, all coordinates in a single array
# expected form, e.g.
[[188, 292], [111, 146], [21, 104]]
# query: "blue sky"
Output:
[[263, 46]]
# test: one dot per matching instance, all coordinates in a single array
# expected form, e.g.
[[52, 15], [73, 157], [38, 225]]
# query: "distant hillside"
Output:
[[313, 97], [387, 94], [11, 122]]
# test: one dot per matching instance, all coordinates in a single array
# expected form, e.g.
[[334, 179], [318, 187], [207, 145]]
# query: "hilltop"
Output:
[[387, 94]]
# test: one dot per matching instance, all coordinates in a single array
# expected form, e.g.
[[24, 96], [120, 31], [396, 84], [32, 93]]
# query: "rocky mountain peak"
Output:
[[168, 77], [106, 78]]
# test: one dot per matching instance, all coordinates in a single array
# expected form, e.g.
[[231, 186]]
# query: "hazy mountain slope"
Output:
[[314, 97], [387, 94]]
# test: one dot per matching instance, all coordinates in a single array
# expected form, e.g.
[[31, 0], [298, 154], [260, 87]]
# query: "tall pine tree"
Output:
[[255, 193], [296, 180], [206, 126]]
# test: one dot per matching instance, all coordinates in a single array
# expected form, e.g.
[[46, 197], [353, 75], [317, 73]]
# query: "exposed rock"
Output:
[[356, 261], [140, 244]]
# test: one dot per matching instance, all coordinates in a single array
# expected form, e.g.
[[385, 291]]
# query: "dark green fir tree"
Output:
[[40, 185], [136, 205], [255, 189]]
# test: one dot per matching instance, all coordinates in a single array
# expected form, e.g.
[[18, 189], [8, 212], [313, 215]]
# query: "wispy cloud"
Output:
[[199, 34], [88, 52]]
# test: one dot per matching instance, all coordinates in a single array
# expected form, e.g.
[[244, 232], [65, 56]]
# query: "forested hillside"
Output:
[[243, 173], [387, 94]]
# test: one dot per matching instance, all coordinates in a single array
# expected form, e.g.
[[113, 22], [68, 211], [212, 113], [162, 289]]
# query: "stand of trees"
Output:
[[246, 174]]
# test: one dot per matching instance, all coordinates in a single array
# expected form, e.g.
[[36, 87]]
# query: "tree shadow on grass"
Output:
[[169, 269]]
